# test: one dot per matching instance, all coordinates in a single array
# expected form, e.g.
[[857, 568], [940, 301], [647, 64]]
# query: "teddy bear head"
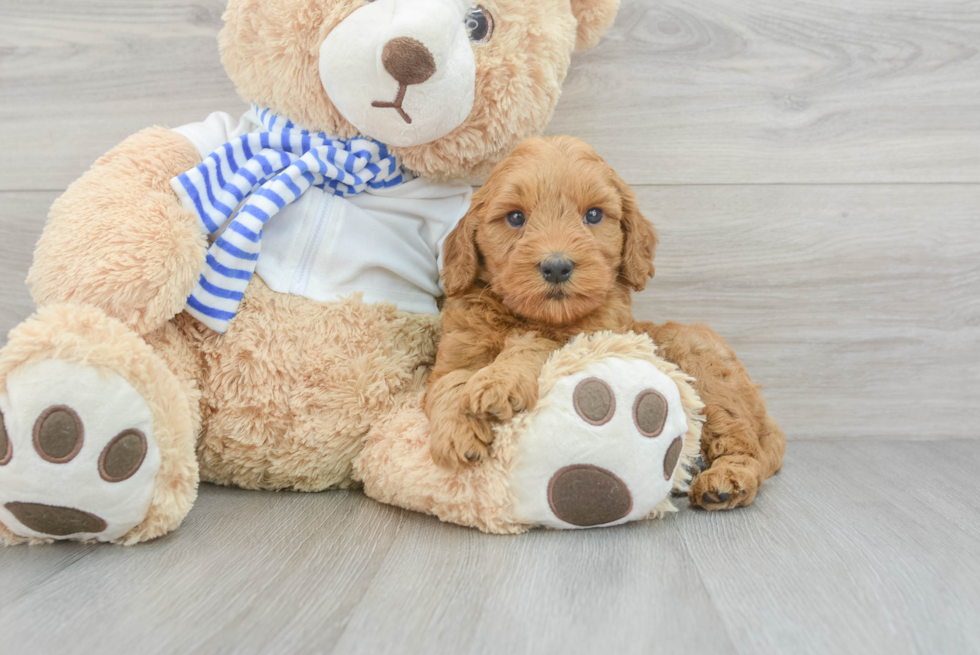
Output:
[[449, 85]]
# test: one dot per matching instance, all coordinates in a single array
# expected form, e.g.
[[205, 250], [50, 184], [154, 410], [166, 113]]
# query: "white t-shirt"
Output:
[[385, 243]]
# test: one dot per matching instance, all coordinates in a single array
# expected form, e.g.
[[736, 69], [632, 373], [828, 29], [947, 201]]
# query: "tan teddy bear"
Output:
[[116, 399], [241, 300]]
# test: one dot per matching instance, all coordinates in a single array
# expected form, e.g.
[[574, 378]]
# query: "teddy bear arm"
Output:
[[119, 238]]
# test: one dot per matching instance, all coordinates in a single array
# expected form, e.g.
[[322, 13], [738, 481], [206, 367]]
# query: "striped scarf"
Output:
[[267, 171]]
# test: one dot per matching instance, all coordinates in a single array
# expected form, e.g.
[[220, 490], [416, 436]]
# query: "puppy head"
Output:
[[553, 231]]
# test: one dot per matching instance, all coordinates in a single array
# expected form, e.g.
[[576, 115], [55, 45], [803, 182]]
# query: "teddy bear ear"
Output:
[[594, 18]]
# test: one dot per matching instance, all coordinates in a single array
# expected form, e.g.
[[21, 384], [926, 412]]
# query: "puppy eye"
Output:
[[479, 25], [593, 216], [516, 219]]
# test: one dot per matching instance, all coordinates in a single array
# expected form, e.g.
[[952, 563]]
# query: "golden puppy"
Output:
[[552, 247]]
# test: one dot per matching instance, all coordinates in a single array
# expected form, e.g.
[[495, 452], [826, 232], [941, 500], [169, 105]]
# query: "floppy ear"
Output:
[[460, 259], [639, 241], [594, 18]]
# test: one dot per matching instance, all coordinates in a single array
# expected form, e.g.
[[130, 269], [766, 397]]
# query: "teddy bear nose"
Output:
[[556, 270], [408, 61]]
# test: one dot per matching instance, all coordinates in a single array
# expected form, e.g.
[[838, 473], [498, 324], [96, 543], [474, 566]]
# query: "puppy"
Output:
[[552, 247]]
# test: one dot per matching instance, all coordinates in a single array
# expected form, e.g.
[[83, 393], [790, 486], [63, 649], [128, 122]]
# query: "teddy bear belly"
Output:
[[294, 386]]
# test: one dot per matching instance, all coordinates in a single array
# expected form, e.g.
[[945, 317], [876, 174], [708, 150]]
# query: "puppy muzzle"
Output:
[[557, 269]]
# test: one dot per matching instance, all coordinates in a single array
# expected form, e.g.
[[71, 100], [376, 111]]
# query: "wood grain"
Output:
[[857, 307], [22, 216], [79, 76], [849, 550], [262, 571], [827, 91], [849, 553], [448, 590], [681, 91]]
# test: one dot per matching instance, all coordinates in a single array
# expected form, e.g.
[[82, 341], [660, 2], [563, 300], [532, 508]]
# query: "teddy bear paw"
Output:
[[77, 455], [602, 448]]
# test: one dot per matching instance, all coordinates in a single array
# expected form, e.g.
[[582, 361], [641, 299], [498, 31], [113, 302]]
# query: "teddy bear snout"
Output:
[[408, 61], [402, 73]]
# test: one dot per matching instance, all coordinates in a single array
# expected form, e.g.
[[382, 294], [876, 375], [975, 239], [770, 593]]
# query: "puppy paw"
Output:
[[495, 394], [460, 440], [726, 485]]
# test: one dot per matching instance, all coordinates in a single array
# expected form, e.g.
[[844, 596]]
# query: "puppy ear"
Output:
[[594, 18], [639, 241], [460, 259]]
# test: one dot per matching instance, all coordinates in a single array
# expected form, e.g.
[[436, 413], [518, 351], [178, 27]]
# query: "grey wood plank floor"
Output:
[[857, 547], [813, 167]]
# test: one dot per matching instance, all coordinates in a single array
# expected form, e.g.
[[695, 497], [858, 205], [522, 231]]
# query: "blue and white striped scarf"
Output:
[[267, 171]]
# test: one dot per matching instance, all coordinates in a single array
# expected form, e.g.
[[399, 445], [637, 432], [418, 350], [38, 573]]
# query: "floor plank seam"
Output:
[[399, 516], [708, 592], [42, 581]]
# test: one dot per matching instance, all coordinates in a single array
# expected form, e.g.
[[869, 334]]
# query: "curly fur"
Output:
[[396, 466], [503, 320]]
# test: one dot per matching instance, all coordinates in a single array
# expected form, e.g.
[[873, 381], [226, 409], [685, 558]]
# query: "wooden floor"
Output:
[[813, 167], [857, 547]]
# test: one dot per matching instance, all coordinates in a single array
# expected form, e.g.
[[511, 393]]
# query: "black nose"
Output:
[[556, 270]]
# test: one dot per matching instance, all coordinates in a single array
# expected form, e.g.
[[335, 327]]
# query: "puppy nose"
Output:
[[408, 61], [556, 269]]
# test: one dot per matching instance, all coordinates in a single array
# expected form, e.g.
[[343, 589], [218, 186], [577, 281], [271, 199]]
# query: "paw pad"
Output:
[[673, 454], [6, 449], [123, 456], [78, 454], [602, 447], [650, 413], [55, 521], [594, 401], [586, 495], [58, 434]]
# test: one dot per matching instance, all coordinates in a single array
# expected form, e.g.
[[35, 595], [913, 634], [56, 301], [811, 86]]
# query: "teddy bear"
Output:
[[255, 301], [124, 390]]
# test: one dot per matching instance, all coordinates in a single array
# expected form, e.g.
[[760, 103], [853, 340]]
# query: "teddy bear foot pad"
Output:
[[602, 447], [77, 454], [614, 430]]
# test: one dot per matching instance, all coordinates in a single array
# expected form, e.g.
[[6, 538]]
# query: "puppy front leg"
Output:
[[456, 436], [509, 385]]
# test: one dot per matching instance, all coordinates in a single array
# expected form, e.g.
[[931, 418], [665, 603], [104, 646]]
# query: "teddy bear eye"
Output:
[[593, 216], [516, 219], [479, 25]]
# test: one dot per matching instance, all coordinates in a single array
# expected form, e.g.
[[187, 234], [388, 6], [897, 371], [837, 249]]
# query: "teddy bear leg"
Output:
[[741, 443], [613, 429], [294, 386], [97, 440], [604, 446]]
